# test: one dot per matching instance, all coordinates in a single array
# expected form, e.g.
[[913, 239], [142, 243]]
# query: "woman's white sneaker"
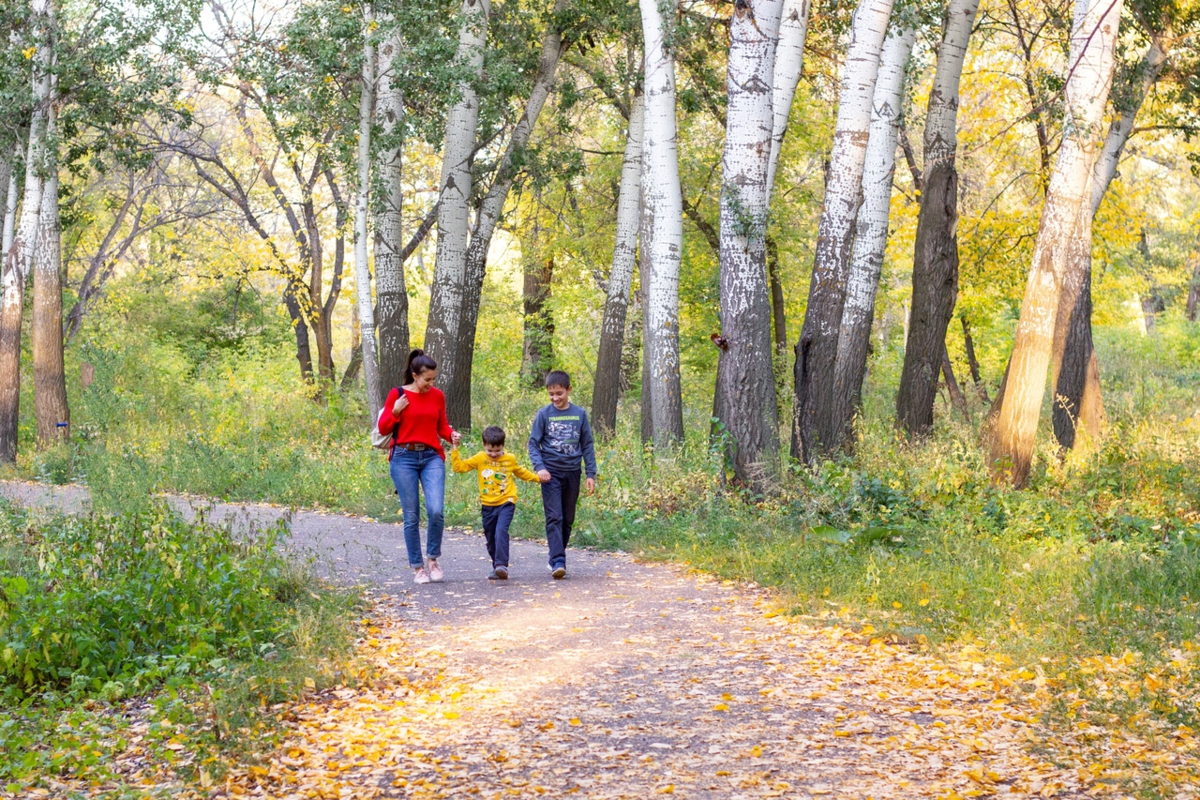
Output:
[[435, 572], [421, 576]]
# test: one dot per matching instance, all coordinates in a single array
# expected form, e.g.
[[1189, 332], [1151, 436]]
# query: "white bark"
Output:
[[745, 394], [620, 276], [789, 63], [606, 391], [1065, 227], [362, 207], [390, 291], [662, 230], [10, 212], [872, 228], [941, 120], [445, 304], [814, 428], [19, 258], [1120, 129]]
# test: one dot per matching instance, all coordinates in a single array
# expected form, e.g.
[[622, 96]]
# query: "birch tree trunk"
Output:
[[8, 181], [747, 402], [661, 231], [391, 294], [1075, 371], [607, 388], [49, 372], [935, 255], [789, 63], [362, 209], [1065, 226], [443, 335], [871, 231], [814, 426], [458, 385], [20, 256]]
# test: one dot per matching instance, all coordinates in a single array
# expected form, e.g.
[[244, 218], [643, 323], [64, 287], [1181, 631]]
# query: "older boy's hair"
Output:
[[558, 378], [493, 435]]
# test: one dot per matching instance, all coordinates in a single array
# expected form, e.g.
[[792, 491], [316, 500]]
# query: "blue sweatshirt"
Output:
[[559, 440]]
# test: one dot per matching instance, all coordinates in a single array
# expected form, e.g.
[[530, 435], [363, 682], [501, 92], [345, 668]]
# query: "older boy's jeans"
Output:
[[559, 497], [496, 522], [424, 468]]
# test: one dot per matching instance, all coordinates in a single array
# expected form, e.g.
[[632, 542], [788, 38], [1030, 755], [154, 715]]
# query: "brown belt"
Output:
[[412, 446]]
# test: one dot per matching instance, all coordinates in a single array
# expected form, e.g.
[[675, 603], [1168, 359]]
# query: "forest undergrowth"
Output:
[[1087, 581]]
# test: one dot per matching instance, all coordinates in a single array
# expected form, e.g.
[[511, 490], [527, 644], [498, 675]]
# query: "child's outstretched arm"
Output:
[[459, 464], [526, 475]]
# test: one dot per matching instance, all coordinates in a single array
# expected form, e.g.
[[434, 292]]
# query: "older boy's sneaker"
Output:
[[421, 576], [435, 572], [501, 573], [559, 572]]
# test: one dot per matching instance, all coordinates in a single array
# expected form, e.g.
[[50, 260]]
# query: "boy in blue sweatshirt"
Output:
[[560, 440]]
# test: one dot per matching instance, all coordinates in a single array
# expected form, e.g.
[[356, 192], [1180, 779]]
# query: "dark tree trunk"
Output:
[[350, 376], [778, 312], [1077, 403], [973, 362], [935, 289], [537, 352], [956, 396], [300, 328]]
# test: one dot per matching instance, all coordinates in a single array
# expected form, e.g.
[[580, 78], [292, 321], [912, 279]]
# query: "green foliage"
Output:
[[94, 610]]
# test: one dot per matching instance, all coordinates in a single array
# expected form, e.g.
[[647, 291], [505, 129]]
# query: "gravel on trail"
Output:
[[627, 679]]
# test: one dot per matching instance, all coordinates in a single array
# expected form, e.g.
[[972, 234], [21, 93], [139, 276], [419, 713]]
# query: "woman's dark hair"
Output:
[[418, 362]]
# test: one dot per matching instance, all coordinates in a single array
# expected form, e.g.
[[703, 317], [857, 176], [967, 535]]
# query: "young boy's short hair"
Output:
[[558, 378], [493, 435]]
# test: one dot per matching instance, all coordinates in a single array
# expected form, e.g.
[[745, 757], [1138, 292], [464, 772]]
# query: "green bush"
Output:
[[117, 603]]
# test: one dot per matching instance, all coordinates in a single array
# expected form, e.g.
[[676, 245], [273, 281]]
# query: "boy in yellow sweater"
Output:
[[497, 493]]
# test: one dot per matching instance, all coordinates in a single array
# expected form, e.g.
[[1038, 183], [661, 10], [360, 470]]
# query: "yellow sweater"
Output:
[[496, 484]]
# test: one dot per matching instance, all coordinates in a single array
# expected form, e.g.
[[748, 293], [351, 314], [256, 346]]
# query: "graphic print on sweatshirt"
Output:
[[495, 481], [562, 435]]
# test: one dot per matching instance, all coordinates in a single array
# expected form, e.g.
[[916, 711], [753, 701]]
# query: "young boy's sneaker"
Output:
[[558, 573], [498, 574]]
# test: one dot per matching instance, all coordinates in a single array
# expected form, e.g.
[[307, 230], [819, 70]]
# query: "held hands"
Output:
[[455, 438], [544, 475], [401, 404], [591, 486]]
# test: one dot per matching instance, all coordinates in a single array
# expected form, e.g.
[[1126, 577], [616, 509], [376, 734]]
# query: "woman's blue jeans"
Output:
[[424, 468]]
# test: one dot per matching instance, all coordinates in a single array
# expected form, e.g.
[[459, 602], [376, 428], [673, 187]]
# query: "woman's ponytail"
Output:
[[418, 362]]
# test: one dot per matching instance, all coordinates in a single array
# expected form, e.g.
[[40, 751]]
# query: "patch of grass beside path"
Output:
[[140, 650]]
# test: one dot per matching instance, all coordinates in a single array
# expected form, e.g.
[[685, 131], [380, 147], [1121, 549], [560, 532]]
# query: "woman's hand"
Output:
[[401, 404], [455, 438]]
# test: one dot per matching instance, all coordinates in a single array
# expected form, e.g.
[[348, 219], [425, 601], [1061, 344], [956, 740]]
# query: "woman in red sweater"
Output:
[[415, 416]]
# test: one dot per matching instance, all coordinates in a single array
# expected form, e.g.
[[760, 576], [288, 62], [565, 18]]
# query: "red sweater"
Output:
[[424, 420]]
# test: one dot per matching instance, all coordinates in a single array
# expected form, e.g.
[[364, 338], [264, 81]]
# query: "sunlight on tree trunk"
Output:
[[39, 162], [49, 373], [1065, 224], [789, 63]]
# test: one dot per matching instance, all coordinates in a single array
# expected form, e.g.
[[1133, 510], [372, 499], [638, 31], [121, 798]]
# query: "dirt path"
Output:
[[625, 680]]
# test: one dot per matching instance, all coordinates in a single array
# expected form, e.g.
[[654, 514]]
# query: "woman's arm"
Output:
[[389, 418]]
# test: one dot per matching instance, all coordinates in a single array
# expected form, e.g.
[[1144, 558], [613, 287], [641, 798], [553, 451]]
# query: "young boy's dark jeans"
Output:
[[496, 521], [559, 497]]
